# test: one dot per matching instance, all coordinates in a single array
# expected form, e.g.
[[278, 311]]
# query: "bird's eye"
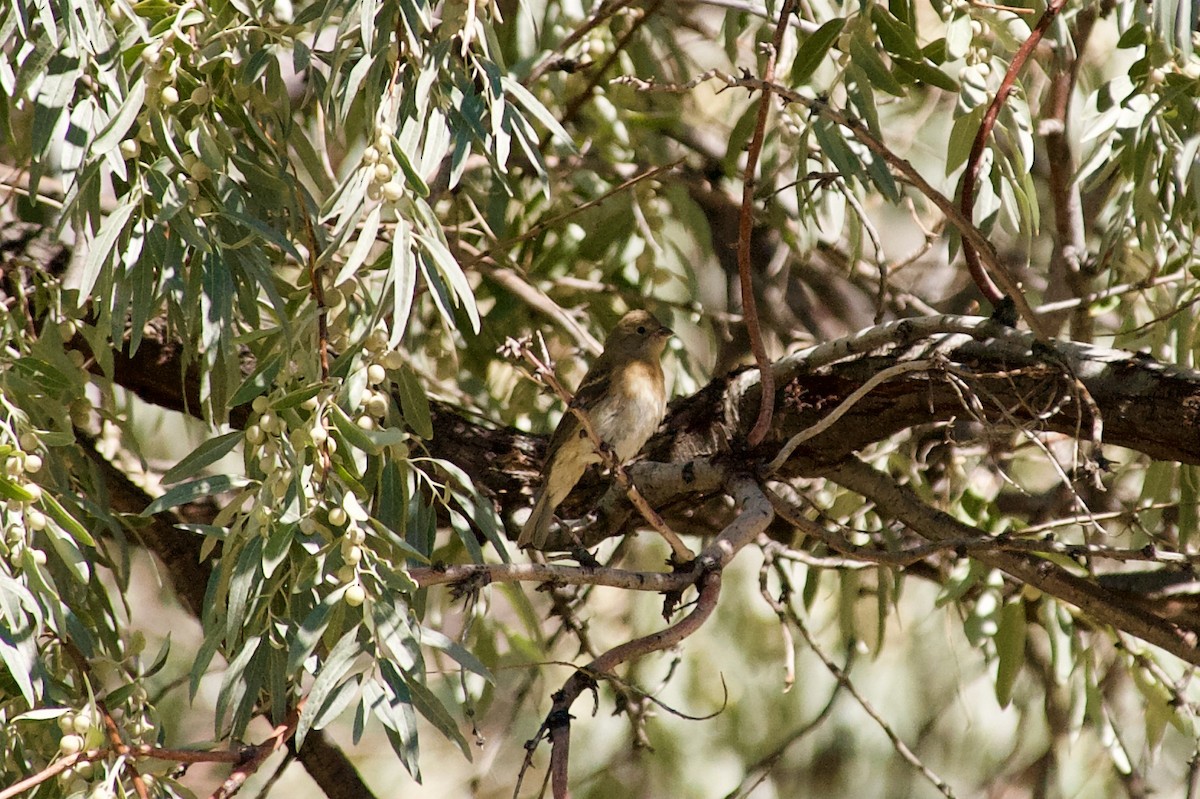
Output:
[[642, 329]]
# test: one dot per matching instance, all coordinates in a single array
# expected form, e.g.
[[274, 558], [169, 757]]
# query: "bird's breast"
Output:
[[628, 419]]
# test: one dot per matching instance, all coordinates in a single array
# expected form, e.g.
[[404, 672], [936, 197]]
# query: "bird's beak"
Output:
[[665, 332]]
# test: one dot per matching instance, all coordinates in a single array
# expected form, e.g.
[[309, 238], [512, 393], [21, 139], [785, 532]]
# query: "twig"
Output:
[[768, 761], [603, 12], [970, 176], [1124, 288], [789, 646], [479, 574], [51, 771], [111, 731], [122, 749], [766, 403], [558, 721], [138, 751], [842, 409], [858, 556], [575, 210], [705, 572], [843, 679], [597, 73]]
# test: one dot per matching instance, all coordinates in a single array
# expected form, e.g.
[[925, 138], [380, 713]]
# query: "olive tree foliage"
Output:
[[315, 225]]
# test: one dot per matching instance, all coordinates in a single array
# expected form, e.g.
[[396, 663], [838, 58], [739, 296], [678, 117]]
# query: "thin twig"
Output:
[[755, 516], [268, 747], [766, 403], [604, 12], [479, 574], [970, 178], [843, 679], [573, 211], [842, 409], [768, 761], [901, 503]]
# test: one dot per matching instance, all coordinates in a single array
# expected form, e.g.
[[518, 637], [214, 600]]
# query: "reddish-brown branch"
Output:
[[756, 514], [558, 722], [598, 73], [970, 176], [904, 168], [140, 751], [51, 771], [121, 748], [278, 738], [766, 403]]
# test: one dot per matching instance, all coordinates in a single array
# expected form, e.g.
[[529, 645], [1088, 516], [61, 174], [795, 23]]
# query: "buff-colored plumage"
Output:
[[624, 396]]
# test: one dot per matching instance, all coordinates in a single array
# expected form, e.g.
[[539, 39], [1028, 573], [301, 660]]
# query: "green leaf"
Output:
[[206, 454], [926, 73], [531, 104], [236, 682], [68, 551], [449, 269], [897, 37], [279, 543], [414, 403], [334, 669], [66, 520], [962, 137], [863, 55], [242, 582], [115, 131], [1010, 649], [188, 492], [390, 701], [411, 176], [812, 52], [20, 656], [455, 650], [12, 491], [833, 146], [351, 433], [362, 246], [958, 36], [430, 706], [101, 248], [42, 714], [306, 637], [402, 274], [393, 634]]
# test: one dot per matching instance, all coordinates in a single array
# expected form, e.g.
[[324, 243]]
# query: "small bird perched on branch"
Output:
[[624, 396]]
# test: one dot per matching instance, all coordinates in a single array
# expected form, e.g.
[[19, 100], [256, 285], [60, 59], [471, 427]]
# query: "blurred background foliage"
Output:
[[410, 184]]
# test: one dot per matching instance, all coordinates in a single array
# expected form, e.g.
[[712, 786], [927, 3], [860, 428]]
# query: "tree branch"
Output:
[[1126, 613]]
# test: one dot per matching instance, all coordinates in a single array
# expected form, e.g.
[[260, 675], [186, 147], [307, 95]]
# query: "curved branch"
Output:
[[756, 514], [766, 403]]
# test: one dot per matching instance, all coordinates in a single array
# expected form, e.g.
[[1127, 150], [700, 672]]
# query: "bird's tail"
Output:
[[537, 526]]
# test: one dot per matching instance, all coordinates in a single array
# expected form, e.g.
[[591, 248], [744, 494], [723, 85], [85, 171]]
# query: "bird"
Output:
[[624, 396]]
